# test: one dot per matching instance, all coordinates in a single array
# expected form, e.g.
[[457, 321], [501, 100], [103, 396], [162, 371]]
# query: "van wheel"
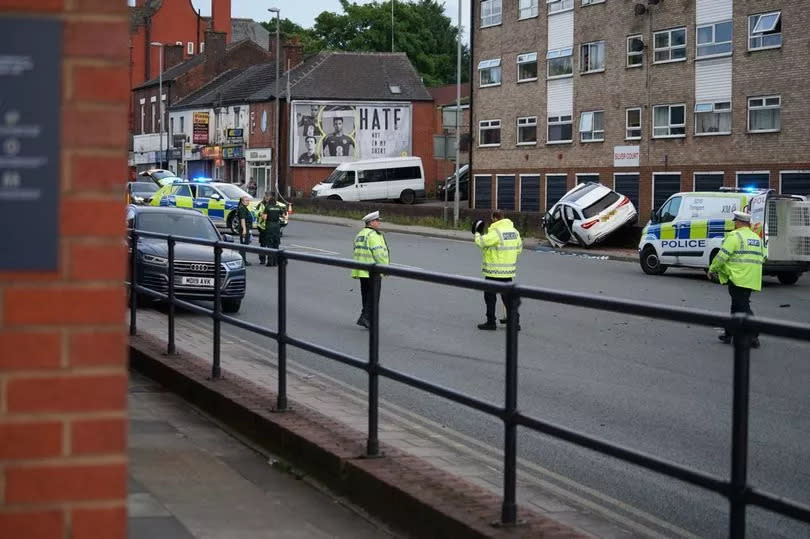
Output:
[[711, 259], [788, 277], [333, 197], [650, 262], [407, 196]]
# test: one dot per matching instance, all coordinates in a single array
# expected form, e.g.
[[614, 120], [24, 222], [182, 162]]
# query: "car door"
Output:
[[202, 197], [557, 231], [179, 196], [571, 217], [371, 184], [345, 187], [216, 202]]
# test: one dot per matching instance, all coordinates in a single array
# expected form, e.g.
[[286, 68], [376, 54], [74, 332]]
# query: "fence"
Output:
[[737, 489]]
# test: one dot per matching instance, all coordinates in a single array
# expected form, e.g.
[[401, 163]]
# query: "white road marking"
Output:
[[307, 248], [405, 266]]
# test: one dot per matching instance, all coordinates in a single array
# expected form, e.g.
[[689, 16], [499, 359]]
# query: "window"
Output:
[[560, 129], [591, 2], [171, 125], [592, 57], [670, 45], [183, 125], [181, 191], [405, 173], [560, 63], [635, 51], [190, 46], [714, 39], [489, 72], [527, 9], [202, 46], [527, 130], [489, 133], [713, 118], [490, 13], [632, 123], [670, 210], [527, 67], [669, 121], [154, 118], [143, 116], [556, 6], [370, 176], [592, 126], [764, 114], [765, 31]]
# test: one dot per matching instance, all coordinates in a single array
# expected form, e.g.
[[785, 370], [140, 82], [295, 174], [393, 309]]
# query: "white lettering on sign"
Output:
[[626, 156]]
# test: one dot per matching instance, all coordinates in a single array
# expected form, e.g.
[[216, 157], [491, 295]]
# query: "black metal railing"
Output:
[[737, 489]]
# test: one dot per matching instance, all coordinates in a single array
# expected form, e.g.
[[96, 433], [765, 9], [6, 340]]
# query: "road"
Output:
[[661, 388]]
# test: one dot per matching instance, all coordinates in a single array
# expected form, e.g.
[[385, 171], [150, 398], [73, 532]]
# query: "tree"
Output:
[[289, 29]]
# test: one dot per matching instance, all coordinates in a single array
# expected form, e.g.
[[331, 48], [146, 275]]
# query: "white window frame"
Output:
[[495, 17], [652, 186], [486, 65], [627, 126], [532, 7], [764, 106], [712, 107], [629, 53], [592, 2], [520, 194], [154, 115], [752, 35], [565, 52], [190, 48], [713, 42], [670, 125], [790, 172], [669, 46], [527, 58], [526, 121], [557, 120], [587, 46], [559, 6], [738, 172], [202, 46], [488, 125], [706, 173], [546, 206], [587, 120], [178, 43]]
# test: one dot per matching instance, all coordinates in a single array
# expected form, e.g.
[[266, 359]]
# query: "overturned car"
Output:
[[587, 214]]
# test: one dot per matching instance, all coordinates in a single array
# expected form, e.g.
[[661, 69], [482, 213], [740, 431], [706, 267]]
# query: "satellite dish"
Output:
[[641, 9]]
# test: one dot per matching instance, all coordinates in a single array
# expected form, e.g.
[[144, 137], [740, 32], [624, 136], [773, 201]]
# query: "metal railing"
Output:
[[736, 489]]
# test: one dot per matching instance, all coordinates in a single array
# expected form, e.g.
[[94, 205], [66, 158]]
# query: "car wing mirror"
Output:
[[653, 217], [215, 196]]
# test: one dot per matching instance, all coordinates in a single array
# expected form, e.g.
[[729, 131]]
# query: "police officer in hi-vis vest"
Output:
[[500, 249], [369, 247], [269, 225], [739, 264]]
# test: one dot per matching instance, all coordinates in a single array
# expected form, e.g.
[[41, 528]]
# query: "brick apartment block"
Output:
[[772, 62]]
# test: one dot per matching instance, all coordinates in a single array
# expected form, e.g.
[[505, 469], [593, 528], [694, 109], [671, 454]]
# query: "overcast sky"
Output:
[[303, 12]]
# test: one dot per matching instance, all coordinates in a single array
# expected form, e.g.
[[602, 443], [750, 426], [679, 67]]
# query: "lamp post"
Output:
[[160, 98], [276, 121], [456, 195]]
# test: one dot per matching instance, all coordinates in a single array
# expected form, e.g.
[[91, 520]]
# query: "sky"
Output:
[[303, 12]]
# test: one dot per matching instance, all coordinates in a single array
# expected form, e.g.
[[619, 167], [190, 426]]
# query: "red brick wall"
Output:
[[63, 378]]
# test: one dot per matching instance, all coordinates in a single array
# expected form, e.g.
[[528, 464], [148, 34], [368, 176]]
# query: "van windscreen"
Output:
[[600, 205], [337, 173]]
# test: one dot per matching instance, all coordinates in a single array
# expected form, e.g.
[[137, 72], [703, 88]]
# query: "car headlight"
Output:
[[156, 260], [234, 264]]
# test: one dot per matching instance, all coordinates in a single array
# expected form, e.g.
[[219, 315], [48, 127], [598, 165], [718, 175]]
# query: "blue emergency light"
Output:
[[202, 179]]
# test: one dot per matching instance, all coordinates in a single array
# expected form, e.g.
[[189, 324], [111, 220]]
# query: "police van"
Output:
[[395, 178], [688, 230]]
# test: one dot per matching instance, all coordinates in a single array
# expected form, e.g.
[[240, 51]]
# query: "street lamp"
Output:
[[277, 121], [160, 98]]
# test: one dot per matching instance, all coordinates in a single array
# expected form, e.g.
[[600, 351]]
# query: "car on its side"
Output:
[[193, 265], [140, 192], [587, 214]]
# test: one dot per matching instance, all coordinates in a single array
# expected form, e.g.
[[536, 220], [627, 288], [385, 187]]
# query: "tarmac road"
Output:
[[661, 388]]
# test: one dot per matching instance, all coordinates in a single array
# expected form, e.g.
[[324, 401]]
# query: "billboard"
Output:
[[200, 128], [329, 133]]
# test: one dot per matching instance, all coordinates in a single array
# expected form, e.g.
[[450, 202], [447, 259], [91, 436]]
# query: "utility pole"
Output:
[[160, 99], [277, 120], [458, 123]]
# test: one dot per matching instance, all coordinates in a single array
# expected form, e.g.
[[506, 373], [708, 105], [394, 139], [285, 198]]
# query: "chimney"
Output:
[[214, 52], [173, 55], [293, 52], [221, 18]]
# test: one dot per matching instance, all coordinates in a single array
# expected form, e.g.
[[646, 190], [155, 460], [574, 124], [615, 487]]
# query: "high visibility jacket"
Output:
[[369, 247], [740, 259], [274, 214], [501, 247]]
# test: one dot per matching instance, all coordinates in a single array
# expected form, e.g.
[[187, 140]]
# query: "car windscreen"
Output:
[[178, 224], [600, 205], [573, 197], [337, 173], [141, 187], [233, 192]]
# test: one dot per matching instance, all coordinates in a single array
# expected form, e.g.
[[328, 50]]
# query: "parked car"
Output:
[[449, 183], [395, 178], [193, 265], [587, 214], [140, 192], [156, 175]]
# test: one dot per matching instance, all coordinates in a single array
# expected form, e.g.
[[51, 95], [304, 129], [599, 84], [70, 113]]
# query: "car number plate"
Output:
[[198, 281]]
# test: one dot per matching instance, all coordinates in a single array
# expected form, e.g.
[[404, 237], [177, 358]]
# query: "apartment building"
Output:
[[649, 97]]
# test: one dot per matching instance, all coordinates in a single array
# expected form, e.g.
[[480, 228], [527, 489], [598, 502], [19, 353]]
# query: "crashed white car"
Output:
[[587, 214]]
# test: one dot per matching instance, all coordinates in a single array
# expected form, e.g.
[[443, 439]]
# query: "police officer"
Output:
[[739, 264], [269, 224], [369, 247], [245, 220], [500, 249]]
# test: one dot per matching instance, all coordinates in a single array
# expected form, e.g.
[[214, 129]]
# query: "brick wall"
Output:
[[63, 378]]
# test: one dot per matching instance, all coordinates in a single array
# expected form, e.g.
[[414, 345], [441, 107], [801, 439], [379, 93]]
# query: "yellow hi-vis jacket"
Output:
[[501, 247], [740, 259], [369, 247]]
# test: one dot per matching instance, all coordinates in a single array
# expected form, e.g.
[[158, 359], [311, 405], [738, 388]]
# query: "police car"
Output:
[[689, 228], [215, 199]]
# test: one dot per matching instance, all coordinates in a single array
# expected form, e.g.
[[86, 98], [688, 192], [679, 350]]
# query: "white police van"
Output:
[[688, 230]]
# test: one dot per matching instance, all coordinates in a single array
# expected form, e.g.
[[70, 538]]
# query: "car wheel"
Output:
[[650, 262], [231, 306], [233, 224], [788, 277], [407, 196]]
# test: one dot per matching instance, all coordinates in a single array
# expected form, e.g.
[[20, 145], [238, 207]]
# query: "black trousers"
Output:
[[365, 293], [244, 239], [269, 237], [740, 299], [491, 298]]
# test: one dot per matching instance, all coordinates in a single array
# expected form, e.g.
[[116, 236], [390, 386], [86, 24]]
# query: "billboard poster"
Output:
[[200, 128], [330, 133]]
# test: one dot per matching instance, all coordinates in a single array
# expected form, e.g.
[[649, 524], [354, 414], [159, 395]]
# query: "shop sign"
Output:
[[200, 127]]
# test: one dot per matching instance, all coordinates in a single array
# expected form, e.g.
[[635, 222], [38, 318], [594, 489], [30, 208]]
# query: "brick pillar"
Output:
[[63, 377]]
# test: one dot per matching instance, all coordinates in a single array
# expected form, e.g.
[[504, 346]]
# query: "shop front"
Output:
[[259, 166]]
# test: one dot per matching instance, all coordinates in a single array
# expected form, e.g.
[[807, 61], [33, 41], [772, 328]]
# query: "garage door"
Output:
[[708, 182], [506, 192], [664, 186], [627, 185], [796, 183], [555, 188], [530, 193], [483, 192], [753, 180]]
